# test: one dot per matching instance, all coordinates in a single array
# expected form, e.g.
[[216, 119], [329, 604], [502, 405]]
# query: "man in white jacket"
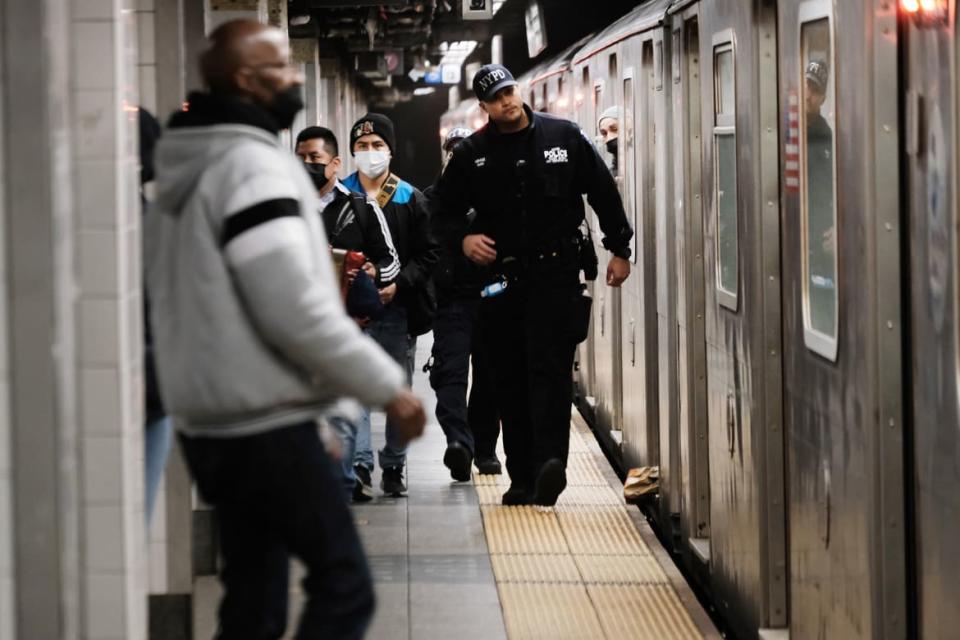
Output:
[[253, 345]]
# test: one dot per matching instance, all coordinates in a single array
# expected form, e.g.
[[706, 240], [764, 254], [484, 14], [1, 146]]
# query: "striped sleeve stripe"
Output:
[[258, 214], [393, 270], [288, 233]]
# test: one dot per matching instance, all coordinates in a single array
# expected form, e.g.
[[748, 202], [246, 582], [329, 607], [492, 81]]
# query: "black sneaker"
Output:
[[392, 482], [363, 489], [457, 458], [551, 481], [516, 495], [489, 465]]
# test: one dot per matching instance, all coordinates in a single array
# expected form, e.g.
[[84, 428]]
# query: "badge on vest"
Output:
[[556, 155]]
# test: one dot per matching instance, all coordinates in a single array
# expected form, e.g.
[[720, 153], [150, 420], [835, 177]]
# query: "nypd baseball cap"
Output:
[[817, 73], [490, 79]]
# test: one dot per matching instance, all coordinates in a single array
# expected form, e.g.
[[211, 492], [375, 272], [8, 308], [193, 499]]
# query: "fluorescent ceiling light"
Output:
[[423, 91], [455, 53]]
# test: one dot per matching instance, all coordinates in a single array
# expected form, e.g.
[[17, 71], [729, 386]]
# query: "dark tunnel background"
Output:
[[417, 158]]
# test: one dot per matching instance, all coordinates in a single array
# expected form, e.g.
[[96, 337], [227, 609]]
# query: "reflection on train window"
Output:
[[818, 202], [627, 166], [725, 174]]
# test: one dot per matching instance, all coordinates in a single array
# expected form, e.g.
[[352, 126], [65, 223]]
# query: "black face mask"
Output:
[[612, 146], [286, 105], [318, 173]]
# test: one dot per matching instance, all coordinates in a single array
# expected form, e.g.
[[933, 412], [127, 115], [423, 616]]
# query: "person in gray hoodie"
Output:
[[253, 345]]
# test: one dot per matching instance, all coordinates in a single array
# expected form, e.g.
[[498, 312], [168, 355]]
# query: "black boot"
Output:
[[516, 495], [457, 458], [489, 465], [551, 481]]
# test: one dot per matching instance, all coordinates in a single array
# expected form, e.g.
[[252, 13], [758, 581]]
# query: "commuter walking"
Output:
[[410, 300], [353, 222], [471, 428], [525, 173], [253, 344]]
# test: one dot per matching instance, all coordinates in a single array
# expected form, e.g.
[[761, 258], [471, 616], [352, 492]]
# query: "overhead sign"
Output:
[[536, 29], [433, 76], [477, 9]]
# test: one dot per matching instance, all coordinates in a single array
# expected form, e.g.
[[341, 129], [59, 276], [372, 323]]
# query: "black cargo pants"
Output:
[[456, 340], [531, 333]]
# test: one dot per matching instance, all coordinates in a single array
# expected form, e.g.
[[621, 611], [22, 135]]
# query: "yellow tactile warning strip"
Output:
[[580, 569]]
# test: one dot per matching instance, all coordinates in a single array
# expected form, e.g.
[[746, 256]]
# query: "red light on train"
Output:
[[926, 13]]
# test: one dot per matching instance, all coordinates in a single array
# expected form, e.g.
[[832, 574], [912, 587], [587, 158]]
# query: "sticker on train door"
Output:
[[791, 164]]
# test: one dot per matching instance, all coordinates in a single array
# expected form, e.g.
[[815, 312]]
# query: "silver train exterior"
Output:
[[787, 349]]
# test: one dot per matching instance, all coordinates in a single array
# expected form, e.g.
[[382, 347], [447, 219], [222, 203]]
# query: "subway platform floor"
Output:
[[450, 562]]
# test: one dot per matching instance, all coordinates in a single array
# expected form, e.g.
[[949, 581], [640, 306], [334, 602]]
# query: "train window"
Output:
[[818, 170], [675, 56], [627, 166], [725, 173]]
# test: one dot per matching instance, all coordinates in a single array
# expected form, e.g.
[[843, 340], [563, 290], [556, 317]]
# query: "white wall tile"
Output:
[[98, 254], [102, 469], [104, 595], [93, 59], [98, 332], [96, 125], [97, 194], [158, 566], [148, 87], [6, 608], [93, 9], [103, 538], [146, 39], [100, 402]]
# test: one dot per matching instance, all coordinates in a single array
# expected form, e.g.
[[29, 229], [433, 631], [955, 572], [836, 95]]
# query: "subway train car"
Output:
[[787, 348]]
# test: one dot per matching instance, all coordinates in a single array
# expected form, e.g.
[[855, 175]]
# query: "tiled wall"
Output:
[[105, 87], [7, 630]]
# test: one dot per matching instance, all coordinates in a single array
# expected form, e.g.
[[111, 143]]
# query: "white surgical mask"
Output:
[[373, 163]]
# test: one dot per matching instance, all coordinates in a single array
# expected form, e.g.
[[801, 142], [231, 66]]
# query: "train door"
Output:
[[615, 294], [665, 311], [691, 343], [586, 359], [603, 303], [632, 290], [931, 63], [742, 303], [841, 318]]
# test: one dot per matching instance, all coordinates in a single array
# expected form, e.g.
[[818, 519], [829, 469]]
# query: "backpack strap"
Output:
[[387, 190]]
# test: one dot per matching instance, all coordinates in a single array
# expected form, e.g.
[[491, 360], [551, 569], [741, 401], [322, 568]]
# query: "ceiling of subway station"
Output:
[[391, 44]]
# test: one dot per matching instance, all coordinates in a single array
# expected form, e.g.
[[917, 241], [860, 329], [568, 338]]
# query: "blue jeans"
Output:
[[276, 495], [346, 431], [390, 332], [157, 438]]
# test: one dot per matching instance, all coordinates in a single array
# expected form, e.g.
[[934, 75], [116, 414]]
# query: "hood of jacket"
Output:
[[196, 138]]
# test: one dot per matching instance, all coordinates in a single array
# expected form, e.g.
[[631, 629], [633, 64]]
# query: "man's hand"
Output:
[[371, 270], [406, 413], [617, 271], [479, 249], [388, 293]]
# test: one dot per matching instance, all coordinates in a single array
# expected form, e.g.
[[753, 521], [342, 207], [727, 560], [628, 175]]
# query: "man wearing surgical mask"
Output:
[[609, 127], [410, 300]]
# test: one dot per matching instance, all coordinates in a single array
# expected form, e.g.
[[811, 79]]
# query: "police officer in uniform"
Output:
[[525, 174], [472, 425]]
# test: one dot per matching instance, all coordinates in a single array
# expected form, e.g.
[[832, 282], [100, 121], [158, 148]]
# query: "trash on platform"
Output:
[[642, 481]]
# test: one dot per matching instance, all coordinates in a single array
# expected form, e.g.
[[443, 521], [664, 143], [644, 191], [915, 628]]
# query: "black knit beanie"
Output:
[[373, 123]]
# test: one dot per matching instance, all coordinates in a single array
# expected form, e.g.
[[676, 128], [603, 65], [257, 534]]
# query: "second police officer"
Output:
[[525, 174]]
